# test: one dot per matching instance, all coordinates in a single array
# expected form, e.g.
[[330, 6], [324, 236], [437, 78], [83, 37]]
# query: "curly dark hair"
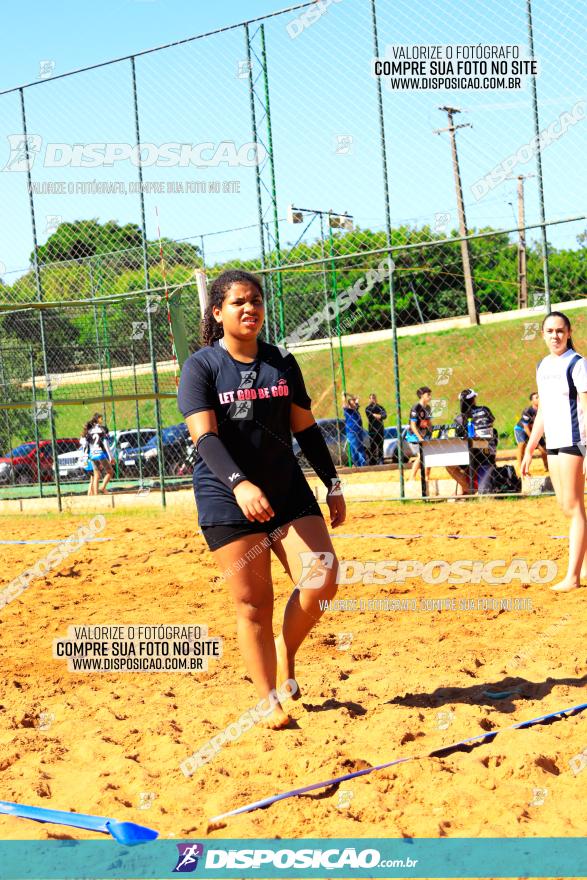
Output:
[[211, 329]]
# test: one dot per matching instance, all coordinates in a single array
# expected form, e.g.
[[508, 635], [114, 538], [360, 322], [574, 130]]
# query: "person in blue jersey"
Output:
[[561, 378], [242, 399], [523, 429], [353, 425]]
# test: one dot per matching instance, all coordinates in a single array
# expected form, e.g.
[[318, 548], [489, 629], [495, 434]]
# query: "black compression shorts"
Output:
[[569, 450], [217, 536]]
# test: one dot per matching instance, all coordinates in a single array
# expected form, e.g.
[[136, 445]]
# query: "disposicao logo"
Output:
[[187, 860]]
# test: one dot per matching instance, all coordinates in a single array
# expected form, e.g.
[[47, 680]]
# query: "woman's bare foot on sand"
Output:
[[276, 720], [566, 586], [286, 668]]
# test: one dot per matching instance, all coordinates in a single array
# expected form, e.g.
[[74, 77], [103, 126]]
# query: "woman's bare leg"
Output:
[[427, 472], [566, 473], [519, 456], [95, 479], [315, 576], [107, 476], [249, 580], [457, 474]]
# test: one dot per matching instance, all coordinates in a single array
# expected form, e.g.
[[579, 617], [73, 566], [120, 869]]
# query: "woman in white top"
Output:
[[94, 441], [562, 415]]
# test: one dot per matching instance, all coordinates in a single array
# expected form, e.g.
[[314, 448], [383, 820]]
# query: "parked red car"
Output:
[[20, 465]]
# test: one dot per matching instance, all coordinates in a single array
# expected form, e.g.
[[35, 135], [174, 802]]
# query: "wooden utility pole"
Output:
[[522, 256], [465, 252]]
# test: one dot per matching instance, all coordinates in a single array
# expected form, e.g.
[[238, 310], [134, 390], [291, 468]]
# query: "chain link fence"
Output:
[[406, 236]]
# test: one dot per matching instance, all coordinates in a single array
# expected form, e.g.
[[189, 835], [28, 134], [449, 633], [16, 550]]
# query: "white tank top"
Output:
[[559, 379]]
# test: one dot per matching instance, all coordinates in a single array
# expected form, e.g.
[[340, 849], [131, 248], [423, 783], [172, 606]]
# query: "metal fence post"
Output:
[[137, 411], [396, 372], [255, 141], [39, 287], [271, 299], [152, 353], [337, 321], [545, 267], [7, 414], [109, 362], [9, 436], [330, 346], [273, 185], [97, 332], [37, 453]]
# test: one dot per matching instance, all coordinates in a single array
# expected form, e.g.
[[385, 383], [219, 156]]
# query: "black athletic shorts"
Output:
[[569, 450], [217, 536]]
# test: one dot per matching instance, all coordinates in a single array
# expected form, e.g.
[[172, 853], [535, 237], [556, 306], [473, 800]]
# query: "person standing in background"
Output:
[[376, 415], [561, 379], [94, 441], [354, 429], [420, 422], [482, 420], [523, 429], [84, 445]]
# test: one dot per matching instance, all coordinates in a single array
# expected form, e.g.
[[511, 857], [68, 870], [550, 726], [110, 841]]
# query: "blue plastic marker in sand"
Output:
[[126, 833], [501, 695]]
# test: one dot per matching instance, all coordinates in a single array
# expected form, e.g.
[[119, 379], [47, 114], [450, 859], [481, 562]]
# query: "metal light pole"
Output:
[[394, 342]]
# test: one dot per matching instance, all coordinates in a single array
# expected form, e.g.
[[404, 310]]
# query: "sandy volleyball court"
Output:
[[377, 685]]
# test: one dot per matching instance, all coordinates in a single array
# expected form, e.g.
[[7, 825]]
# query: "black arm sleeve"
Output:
[[313, 445], [213, 451]]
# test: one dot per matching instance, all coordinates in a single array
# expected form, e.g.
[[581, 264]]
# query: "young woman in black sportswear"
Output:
[[242, 399]]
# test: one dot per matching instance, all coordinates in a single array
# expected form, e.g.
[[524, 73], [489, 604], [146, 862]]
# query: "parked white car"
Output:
[[72, 464], [390, 444]]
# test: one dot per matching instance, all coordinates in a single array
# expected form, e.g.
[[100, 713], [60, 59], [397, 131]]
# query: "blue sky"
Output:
[[324, 113], [79, 34]]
